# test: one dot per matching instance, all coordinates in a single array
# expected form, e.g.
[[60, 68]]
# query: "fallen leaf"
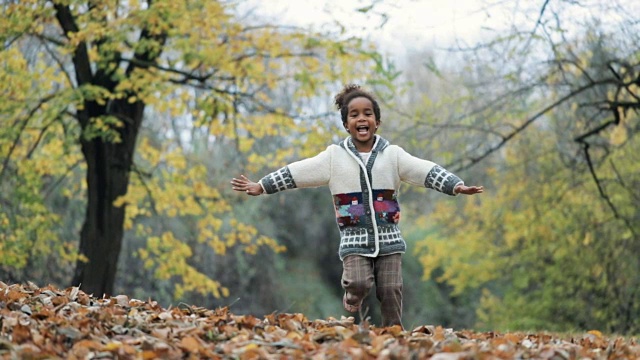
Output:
[[190, 344], [20, 334]]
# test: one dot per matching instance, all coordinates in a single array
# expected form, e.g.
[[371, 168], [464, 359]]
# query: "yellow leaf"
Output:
[[595, 332], [618, 135], [112, 346]]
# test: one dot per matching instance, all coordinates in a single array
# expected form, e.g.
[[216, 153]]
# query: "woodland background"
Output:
[[122, 123]]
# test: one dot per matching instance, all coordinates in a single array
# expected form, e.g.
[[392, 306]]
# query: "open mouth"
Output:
[[363, 130]]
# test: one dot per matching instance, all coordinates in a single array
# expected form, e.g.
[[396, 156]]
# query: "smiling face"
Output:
[[361, 123]]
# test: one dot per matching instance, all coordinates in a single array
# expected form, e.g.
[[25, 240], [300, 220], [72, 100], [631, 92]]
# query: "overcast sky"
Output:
[[411, 23], [434, 24]]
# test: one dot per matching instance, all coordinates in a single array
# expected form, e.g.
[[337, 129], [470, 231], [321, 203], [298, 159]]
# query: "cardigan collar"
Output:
[[379, 145]]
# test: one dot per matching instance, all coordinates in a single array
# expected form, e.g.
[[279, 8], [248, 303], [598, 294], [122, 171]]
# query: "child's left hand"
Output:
[[468, 190]]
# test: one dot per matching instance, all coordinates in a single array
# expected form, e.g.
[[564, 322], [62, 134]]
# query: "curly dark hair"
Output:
[[350, 92]]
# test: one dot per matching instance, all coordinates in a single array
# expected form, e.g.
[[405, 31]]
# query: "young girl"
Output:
[[363, 173]]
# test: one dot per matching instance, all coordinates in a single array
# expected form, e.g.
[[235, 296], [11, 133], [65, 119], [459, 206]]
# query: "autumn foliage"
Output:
[[49, 323], [82, 130]]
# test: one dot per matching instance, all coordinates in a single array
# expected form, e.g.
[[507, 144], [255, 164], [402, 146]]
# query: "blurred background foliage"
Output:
[[544, 115]]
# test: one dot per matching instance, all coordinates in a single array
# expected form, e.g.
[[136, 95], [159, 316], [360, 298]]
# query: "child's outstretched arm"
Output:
[[246, 185], [468, 190], [417, 171]]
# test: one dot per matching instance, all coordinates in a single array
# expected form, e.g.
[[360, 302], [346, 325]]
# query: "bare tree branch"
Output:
[[538, 23], [529, 121], [633, 194], [603, 194], [54, 56], [592, 132]]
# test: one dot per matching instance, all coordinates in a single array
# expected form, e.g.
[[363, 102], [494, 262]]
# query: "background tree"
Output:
[[551, 114]]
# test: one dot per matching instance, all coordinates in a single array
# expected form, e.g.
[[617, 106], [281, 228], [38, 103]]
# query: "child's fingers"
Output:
[[470, 190], [239, 181], [239, 185]]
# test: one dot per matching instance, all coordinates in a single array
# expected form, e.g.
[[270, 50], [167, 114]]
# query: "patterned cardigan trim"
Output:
[[278, 180], [442, 180]]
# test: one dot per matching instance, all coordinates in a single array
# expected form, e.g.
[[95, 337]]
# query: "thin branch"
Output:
[[592, 132], [622, 182], [610, 105], [5, 163], [142, 176], [264, 55], [59, 181], [271, 27], [488, 45], [585, 147], [48, 39], [40, 136], [519, 129], [56, 59], [601, 190], [535, 28], [571, 62], [191, 74], [497, 101], [465, 127]]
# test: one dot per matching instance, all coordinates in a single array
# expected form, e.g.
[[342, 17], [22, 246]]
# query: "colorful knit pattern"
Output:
[[441, 180], [386, 206], [278, 180], [351, 209]]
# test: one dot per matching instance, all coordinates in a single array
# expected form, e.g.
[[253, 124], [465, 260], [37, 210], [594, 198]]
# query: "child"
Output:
[[363, 173]]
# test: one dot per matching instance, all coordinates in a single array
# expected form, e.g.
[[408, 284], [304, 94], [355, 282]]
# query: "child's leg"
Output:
[[388, 277], [357, 280]]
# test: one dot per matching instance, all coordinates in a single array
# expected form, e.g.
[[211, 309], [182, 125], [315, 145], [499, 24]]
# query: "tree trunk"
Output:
[[108, 163], [108, 171]]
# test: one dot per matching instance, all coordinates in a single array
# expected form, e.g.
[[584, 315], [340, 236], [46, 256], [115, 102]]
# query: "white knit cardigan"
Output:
[[365, 195]]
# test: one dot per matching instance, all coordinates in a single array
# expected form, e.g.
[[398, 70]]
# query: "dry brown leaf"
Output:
[[20, 334], [190, 344]]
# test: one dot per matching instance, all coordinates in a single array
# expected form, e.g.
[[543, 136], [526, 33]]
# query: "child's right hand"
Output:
[[246, 185]]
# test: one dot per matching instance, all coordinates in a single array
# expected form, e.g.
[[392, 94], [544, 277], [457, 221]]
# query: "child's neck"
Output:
[[364, 147]]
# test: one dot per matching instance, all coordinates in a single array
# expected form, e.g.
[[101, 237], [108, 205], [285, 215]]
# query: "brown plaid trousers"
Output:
[[360, 273]]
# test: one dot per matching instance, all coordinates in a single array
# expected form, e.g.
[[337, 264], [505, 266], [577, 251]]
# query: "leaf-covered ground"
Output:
[[46, 323]]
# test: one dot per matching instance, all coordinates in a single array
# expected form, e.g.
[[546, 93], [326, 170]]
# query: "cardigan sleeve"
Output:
[[425, 173], [310, 172]]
